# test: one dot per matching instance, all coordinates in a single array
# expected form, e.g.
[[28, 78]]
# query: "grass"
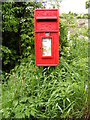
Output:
[[50, 93]]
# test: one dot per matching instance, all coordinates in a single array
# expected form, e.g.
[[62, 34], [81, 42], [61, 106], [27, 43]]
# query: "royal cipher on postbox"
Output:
[[46, 27]]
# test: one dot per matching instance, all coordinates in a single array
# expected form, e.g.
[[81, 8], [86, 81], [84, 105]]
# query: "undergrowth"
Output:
[[53, 92]]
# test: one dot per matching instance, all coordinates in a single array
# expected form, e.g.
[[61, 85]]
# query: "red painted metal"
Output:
[[46, 21]]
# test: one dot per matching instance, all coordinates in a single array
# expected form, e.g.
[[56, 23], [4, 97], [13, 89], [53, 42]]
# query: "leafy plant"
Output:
[[59, 92], [18, 32], [44, 93]]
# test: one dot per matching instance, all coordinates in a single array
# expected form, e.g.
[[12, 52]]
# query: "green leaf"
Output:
[[15, 103], [27, 112], [32, 112]]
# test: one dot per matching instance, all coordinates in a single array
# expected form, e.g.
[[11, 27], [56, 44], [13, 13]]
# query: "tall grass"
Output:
[[59, 92], [49, 93]]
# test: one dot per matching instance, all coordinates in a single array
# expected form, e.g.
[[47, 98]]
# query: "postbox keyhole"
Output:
[[46, 34]]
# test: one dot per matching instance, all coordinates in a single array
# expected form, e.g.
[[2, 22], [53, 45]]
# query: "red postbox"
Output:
[[46, 27]]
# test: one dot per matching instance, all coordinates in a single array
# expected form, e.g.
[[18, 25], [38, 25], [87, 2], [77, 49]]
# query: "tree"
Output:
[[17, 32], [88, 4]]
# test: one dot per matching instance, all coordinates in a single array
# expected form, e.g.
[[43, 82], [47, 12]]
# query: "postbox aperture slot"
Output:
[[46, 20]]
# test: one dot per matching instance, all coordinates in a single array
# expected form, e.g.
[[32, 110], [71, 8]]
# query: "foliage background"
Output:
[[34, 92]]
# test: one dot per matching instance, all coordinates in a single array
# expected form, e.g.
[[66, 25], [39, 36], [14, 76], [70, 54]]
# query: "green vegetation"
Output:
[[42, 93], [78, 16], [87, 4], [18, 32]]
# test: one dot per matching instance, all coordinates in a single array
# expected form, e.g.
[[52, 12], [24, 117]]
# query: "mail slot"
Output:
[[46, 27]]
